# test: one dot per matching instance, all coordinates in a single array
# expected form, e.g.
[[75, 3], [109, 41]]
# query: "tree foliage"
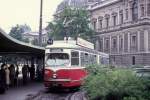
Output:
[[71, 23], [17, 31]]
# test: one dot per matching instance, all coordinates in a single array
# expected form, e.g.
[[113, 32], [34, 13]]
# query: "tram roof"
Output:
[[13, 46], [63, 44], [71, 44]]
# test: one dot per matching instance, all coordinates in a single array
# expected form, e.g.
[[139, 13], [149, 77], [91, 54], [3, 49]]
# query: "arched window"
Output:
[[135, 10]]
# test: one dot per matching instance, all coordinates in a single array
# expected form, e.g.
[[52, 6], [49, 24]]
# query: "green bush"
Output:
[[108, 83]]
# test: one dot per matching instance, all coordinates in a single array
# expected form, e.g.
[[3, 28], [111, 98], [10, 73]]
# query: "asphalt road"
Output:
[[36, 91], [64, 94]]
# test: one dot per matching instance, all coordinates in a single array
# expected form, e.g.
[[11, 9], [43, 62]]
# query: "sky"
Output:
[[21, 12]]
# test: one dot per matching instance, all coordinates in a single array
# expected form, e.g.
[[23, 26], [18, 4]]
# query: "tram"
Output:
[[65, 62]]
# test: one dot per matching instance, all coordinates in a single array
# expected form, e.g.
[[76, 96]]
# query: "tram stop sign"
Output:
[[50, 41]]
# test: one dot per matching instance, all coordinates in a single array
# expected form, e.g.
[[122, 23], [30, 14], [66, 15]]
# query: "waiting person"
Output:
[[12, 74], [32, 72], [28, 74], [2, 79], [16, 76], [24, 73], [7, 72]]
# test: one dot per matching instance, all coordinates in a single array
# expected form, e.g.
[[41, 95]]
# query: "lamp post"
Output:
[[40, 23]]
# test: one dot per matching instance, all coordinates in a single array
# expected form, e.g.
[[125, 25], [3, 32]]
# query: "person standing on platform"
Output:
[[24, 73], [7, 76], [28, 74], [2, 79], [16, 75], [32, 72], [12, 74]]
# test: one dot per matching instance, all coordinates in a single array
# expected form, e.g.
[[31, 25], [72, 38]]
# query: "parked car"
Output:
[[143, 71]]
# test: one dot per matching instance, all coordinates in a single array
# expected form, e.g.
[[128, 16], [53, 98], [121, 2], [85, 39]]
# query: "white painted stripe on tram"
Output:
[[65, 80], [60, 68]]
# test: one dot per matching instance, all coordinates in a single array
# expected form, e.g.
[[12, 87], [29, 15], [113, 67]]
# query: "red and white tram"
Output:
[[65, 62]]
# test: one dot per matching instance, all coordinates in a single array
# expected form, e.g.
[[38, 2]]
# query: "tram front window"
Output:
[[57, 59]]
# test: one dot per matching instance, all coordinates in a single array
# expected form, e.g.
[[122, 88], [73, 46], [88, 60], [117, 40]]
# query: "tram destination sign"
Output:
[[85, 43], [56, 50]]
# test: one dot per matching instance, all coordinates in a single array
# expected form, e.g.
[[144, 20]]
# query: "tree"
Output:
[[71, 23], [16, 32]]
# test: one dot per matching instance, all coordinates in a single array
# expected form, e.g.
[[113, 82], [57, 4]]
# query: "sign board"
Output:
[[85, 43], [56, 50]]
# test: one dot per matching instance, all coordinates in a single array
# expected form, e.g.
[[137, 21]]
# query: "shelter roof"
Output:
[[11, 45]]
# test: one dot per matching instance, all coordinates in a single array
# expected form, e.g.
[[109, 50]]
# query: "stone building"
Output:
[[33, 37], [123, 30]]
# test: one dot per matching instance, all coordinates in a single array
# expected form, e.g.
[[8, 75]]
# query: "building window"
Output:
[[100, 24], [142, 10], [133, 60], [133, 41], [121, 43], [135, 10], [94, 25], [115, 20], [101, 45], [107, 22], [114, 43], [121, 18], [126, 14], [148, 9], [107, 44]]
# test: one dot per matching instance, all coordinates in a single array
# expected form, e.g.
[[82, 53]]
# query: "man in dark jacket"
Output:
[[25, 74], [2, 79], [12, 74], [32, 72]]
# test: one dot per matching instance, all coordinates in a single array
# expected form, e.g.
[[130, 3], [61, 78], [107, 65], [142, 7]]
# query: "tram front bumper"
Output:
[[60, 80], [62, 83]]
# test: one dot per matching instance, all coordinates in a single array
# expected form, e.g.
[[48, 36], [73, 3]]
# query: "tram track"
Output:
[[79, 95]]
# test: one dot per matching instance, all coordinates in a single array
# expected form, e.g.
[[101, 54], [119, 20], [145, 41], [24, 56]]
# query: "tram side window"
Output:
[[91, 60], [84, 59], [74, 58], [95, 59], [100, 60], [104, 60]]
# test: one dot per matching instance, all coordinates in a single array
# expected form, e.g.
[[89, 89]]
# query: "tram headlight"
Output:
[[54, 75], [46, 72]]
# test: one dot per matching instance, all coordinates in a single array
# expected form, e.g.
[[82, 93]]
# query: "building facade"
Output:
[[123, 30], [33, 37]]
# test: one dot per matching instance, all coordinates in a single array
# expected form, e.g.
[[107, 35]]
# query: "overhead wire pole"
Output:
[[40, 23]]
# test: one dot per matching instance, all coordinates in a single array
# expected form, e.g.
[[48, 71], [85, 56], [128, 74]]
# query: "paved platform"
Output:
[[22, 92]]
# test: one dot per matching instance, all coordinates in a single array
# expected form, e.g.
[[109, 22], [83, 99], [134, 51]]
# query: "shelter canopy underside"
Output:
[[11, 45]]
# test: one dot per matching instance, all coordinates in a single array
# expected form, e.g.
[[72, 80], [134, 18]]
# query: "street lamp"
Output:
[[40, 23]]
